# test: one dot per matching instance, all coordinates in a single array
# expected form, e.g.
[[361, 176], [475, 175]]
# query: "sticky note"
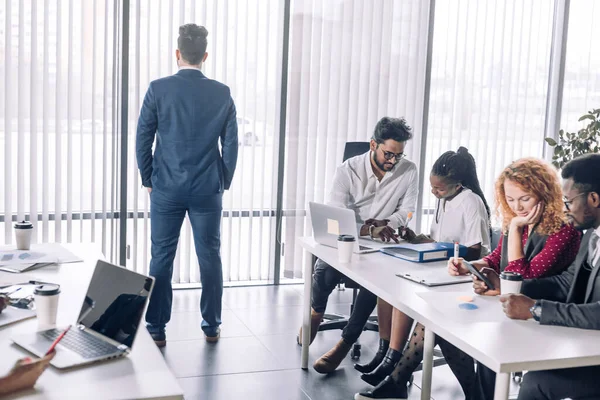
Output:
[[467, 306], [333, 227], [465, 299]]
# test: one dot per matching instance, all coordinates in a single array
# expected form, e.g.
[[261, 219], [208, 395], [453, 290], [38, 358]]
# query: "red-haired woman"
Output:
[[536, 240]]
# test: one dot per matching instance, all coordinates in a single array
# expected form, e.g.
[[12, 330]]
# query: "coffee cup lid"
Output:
[[511, 276], [346, 238], [23, 225], [47, 289]]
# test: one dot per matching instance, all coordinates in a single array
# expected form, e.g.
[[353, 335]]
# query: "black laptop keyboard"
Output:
[[83, 343]]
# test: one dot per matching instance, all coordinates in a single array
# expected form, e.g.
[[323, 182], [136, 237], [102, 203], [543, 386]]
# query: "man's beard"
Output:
[[381, 166]]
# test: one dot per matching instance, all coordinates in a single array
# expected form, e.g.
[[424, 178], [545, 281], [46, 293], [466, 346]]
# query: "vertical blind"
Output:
[[57, 114], [351, 63], [489, 79], [581, 90], [244, 52]]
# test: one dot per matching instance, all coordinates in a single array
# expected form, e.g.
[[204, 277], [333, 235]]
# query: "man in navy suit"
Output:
[[189, 115]]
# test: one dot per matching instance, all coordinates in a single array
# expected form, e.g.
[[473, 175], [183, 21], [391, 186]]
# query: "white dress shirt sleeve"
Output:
[[408, 202], [339, 195]]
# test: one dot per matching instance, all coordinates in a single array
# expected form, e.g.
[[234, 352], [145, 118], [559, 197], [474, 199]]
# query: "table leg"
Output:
[[306, 317], [427, 364], [502, 386]]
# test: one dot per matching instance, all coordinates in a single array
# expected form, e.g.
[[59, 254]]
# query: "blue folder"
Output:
[[424, 252]]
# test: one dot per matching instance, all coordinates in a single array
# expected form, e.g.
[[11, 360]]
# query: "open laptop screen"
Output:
[[115, 302]]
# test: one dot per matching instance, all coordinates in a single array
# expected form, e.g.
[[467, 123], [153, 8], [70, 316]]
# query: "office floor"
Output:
[[257, 356]]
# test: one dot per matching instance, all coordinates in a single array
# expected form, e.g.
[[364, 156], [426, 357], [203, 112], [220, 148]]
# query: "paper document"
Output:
[[12, 314], [38, 256], [466, 306]]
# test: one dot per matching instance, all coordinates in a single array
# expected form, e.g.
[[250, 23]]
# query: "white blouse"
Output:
[[464, 220]]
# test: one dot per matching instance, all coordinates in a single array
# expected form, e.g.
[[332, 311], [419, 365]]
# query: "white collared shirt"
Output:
[[594, 257], [189, 67], [355, 186], [463, 219]]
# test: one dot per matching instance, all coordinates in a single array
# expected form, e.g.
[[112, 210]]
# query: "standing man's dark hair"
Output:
[[192, 165], [192, 43]]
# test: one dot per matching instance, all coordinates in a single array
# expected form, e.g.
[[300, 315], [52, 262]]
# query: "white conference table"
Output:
[[504, 346], [141, 375]]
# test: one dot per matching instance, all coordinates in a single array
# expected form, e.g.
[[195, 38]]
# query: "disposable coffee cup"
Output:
[[510, 282], [46, 304], [345, 248], [23, 231]]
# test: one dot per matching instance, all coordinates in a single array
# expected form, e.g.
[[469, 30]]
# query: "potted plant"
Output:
[[573, 144]]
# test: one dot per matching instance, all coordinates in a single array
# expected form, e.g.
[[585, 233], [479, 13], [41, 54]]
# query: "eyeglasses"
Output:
[[388, 155], [568, 202]]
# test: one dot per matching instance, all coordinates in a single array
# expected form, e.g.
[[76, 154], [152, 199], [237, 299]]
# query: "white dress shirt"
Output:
[[355, 186], [463, 219], [594, 248]]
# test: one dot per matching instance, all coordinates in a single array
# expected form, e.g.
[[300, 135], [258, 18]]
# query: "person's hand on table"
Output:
[[386, 234], [516, 306]]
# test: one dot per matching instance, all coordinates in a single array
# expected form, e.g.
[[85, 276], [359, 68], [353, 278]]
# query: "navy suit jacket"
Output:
[[189, 114]]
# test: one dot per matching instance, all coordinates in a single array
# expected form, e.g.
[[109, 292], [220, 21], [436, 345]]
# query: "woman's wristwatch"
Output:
[[536, 311]]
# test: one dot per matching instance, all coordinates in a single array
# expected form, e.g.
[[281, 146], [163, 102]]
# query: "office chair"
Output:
[[338, 321]]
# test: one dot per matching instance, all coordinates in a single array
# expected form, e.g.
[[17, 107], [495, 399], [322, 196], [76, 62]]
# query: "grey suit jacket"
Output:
[[562, 298]]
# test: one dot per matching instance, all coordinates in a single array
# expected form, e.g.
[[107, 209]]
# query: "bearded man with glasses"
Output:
[[381, 186]]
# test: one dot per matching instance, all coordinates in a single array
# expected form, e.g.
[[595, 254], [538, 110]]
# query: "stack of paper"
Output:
[[38, 256]]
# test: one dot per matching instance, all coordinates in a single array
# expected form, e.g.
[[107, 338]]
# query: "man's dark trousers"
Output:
[[167, 213], [325, 279]]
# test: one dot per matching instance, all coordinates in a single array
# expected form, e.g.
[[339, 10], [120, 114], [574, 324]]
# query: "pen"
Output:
[[58, 339], [456, 250]]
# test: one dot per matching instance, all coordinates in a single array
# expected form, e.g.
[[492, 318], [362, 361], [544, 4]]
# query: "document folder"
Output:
[[424, 252]]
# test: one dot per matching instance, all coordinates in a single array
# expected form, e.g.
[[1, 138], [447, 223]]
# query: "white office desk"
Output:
[[141, 375], [505, 347]]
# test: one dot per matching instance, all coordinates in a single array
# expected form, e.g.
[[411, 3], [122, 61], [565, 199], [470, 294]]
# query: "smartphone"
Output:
[[479, 275], [57, 340]]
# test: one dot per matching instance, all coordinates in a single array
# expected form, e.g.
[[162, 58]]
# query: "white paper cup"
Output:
[[345, 248], [510, 282], [46, 305], [23, 231]]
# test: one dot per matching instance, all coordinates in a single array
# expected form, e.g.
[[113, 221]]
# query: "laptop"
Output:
[[328, 222], [108, 322]]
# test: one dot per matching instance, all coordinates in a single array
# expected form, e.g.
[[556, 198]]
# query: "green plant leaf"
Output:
[[587, 116], [551, 141]]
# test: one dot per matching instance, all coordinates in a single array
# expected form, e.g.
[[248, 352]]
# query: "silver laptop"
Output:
[[108, 323], [328, 222]]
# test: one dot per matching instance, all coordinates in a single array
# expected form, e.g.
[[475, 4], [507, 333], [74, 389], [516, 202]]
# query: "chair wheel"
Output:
[[355, 352]]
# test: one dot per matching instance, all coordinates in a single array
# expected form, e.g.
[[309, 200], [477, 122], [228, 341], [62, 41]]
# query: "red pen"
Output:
[[58, 339]]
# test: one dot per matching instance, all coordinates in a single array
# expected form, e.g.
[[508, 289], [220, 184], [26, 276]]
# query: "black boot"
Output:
[[387, 389], [384, 369], [384, 344]]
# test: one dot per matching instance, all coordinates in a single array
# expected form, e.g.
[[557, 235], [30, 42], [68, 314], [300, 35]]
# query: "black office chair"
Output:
[[338, 321]]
